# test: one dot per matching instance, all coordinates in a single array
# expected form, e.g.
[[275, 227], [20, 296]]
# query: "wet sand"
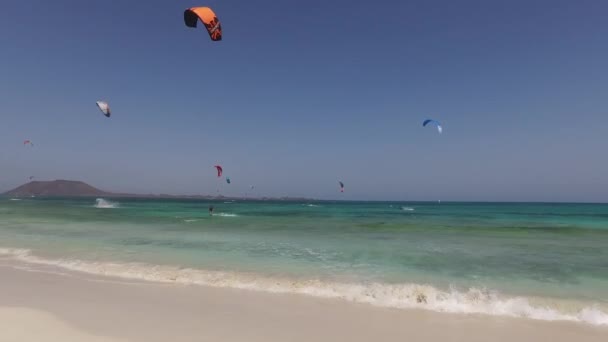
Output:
[[49, 304]]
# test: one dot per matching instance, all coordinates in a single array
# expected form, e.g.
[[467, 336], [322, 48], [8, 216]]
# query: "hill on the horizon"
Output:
[[67, 188], [55, 188]]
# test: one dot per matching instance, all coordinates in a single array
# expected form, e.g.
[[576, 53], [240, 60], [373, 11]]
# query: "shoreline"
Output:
[[404, 296], [132, 310]]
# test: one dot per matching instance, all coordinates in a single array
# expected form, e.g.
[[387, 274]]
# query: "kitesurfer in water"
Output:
[[210, 210]]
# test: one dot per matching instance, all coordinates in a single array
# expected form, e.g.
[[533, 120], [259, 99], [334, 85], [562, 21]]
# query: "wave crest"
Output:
[[225, 215], [105, 204]]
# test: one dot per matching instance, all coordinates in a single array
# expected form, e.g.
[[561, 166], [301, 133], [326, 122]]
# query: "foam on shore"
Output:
[[402, 296]]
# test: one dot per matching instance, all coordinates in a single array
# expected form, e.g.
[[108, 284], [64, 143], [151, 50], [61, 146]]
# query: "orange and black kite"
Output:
[[207, 17]]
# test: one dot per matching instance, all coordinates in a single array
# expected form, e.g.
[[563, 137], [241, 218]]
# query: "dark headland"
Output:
[[69, 188], [63, 188]]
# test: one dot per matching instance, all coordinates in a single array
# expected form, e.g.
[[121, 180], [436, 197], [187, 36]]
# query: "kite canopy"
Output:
[[207, 17], [341, 186], [27, 143], [219, 170], [104, 107], [228, 180], [434, 122]]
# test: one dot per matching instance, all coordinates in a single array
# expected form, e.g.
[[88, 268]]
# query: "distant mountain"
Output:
[[67, 188], [56, 188]]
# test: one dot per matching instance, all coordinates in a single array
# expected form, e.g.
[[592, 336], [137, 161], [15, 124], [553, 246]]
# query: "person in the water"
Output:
[[210, 210]]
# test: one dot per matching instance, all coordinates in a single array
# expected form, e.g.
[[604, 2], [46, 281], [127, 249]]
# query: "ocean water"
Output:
[[539, 261]]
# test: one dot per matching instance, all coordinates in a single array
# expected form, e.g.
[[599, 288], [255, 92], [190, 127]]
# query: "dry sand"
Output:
[[20, 324], [49, 304]]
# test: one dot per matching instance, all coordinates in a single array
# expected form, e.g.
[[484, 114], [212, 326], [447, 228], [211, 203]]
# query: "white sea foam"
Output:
[[407, 209], [408, 296], [225, 215], [15, 199], [105, 204], [190, 221]]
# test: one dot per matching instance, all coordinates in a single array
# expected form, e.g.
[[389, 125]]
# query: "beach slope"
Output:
[[70, 306]]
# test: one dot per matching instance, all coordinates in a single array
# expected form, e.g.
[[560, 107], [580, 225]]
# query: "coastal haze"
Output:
[[294, 104]]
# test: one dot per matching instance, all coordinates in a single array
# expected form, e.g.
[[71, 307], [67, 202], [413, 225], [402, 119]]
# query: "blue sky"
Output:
[[301, 94]]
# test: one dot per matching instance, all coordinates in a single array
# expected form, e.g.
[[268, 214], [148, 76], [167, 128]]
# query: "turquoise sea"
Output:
[[541, 261]]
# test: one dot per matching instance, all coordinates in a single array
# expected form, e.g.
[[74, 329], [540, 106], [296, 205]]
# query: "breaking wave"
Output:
[[105, 204], [225, 215], [403, 296]]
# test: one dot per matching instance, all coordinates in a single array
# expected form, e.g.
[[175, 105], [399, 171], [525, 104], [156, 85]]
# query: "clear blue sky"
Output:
[[301, 94]]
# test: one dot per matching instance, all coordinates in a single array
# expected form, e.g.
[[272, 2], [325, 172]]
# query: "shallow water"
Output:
[[544, 261]]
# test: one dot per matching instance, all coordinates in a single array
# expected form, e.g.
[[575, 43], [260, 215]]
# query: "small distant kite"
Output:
[[341, 186], [28, 143], [207, 17], [434, 122], [219, 170], [104, 107], [228, 180], [31, 177]]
